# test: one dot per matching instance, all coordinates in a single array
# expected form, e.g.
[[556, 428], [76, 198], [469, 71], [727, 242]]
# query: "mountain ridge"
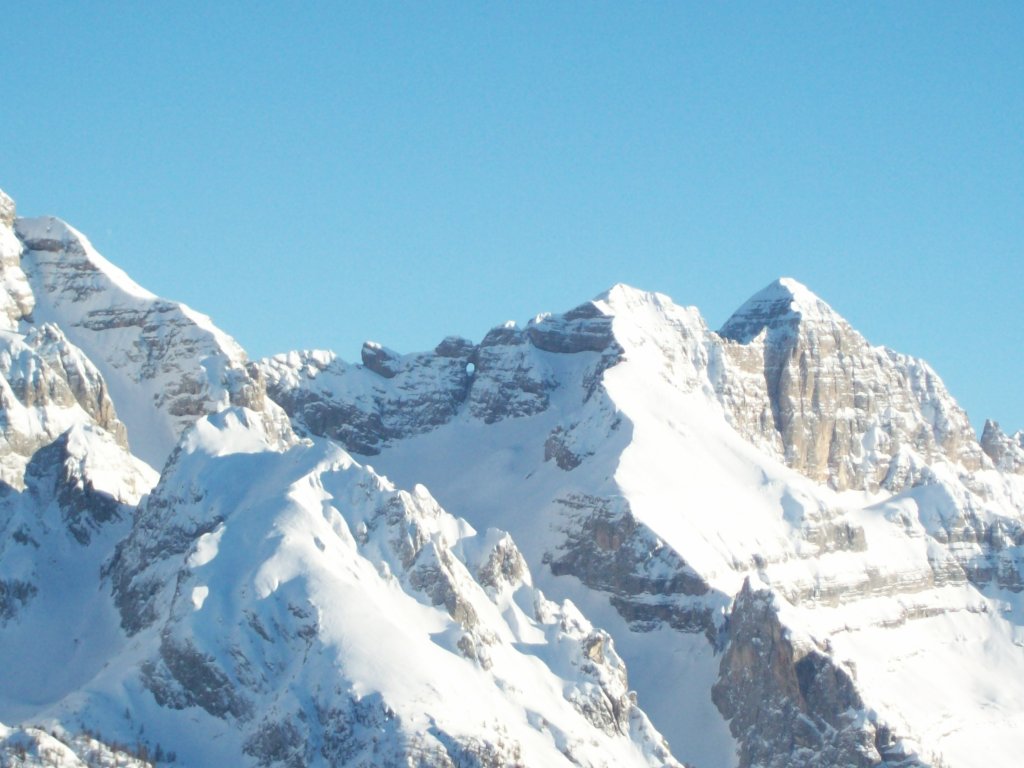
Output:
[[790, 538]]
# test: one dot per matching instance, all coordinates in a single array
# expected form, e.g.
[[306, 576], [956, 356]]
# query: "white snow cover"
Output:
[[898, 609], [54, 539], [36, 748], [277, 601], [301, 601]]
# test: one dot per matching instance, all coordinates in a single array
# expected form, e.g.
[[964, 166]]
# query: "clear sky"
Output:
[[318, 174]]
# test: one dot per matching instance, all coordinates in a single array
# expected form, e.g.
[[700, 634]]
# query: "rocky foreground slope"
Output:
[[771, 545]]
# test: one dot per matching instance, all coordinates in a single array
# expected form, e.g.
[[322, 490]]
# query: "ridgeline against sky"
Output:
[[323, 175]]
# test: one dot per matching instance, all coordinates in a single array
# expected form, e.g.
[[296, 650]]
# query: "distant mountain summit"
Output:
[[611, 536], [783, 304], [847, 413]]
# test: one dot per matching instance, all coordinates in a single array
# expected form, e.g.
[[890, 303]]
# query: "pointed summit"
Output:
[[839, 405], [649, 308], [622, 293], [625, 300], [780, 305]]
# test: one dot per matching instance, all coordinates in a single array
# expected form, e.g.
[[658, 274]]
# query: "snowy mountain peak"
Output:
[[782, 304], [622, 299], [622, 296], [841, 410], [791, 537], [796, 289]]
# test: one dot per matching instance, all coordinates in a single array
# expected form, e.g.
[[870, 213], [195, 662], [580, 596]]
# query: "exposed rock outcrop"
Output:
[[166, 364], [607, 549], [841, 408], [789, 703], [508, 375], [1006, 451]]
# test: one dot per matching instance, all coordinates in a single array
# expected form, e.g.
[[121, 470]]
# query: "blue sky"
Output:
[[317, 174]]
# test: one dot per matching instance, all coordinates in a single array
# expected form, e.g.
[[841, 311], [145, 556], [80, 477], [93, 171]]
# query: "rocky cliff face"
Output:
[[375, 409], [842, 411], [508, 375], [789, 702], [47, 386], [167, 364]]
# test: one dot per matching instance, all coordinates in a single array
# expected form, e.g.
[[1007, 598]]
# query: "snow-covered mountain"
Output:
[[802, 551], [166, 364], [263, 600], [611, 537]]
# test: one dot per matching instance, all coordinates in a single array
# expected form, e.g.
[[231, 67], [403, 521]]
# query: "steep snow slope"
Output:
[[641, 471], [316, 615]]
